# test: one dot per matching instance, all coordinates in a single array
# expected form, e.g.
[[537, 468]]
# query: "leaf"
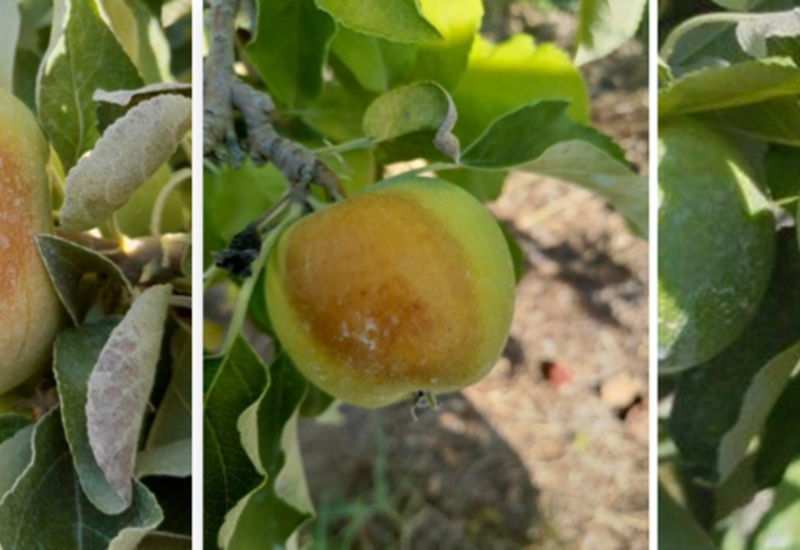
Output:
[[708, 421], [120, 386], [779, 529], [484, 186], [10, 424], [172, 460], [604, 25], [539, 138], [754, 32], [780, 441], [130, 151], [502, 78], [47, 497], [445, 61], [289, 48], [677, 529], [83, 56], [113, 105], [15, 455], [9, 34], [140, 33], [231, 384], [776, 121], [133, 218], [395, 20], [411, 122], [720, 88], [77, 350], [68, 263], [173, 421], [165, 541], [377, 64], [782, 166], [272, 512]]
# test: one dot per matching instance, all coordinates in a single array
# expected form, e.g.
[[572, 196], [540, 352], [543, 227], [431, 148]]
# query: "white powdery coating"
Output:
[[120, 386], [130, 151]]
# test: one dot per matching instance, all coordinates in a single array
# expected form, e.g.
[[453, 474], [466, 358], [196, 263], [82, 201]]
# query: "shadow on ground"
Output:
[[447, 481]]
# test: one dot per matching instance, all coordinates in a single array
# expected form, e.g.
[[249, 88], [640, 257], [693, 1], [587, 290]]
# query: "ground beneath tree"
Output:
[[550, 451]]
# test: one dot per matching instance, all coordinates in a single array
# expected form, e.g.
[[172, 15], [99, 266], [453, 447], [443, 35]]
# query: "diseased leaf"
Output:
[[77, 351], [120, 386], [290, 47], [741, 84], [395, 20], [231, 384], [604, 25], [172, 460], [15, 456], [755, 32], [504, 77], [68, 263], [9, 34], [27, 512], [411, 122], [113, 105], [130, 151], [280, 504], [83, 56]]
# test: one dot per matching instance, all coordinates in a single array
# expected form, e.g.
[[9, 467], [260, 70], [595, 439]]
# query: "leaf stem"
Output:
[[161, 201]]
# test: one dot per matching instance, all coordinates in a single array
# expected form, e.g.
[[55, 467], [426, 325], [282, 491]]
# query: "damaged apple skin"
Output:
[[406, 287], [30, 311]]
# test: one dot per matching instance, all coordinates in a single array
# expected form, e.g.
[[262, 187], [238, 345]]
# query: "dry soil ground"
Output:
[[550, 450]]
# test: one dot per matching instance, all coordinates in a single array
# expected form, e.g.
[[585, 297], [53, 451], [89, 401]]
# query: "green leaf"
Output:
[[10, 21], [412, 122], [377, 64], [76, 353], [133, 218], [541, 139], [47, 497], [272, 512], [604, 25], [173, 421], [165, 541], [720, 88], [775, 121], [779, 529], [83, 56], [395, 20], [517, 256], [444, 61], [289, 48], [10, 424], [68, 264], [172, 460], [338, 113], [231, 384], [677, 529], [484, 186], [141, 36], [780, 440], [15, 455], [502, 78], [721, 405], [121, 381]]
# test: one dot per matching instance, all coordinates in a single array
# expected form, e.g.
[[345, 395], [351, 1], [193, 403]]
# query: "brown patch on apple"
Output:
[[403, 300], [16, 241]]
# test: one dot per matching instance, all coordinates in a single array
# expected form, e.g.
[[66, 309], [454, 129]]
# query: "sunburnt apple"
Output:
[[30, 312], [405, 287], [716, 244]]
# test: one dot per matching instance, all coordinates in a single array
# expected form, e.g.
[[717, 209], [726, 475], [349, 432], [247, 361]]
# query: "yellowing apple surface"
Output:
[[406, 287], [30, 312]]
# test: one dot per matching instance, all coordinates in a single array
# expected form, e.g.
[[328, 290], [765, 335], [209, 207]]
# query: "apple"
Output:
[[30, 311], [716, 244], [403, 288]]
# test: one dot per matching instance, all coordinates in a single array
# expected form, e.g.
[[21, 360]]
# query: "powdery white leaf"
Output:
[[130, 151], [120, 386]]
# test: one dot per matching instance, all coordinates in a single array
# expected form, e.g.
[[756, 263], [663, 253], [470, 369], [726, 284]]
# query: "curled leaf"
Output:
[[130, 151], [120, 386]]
